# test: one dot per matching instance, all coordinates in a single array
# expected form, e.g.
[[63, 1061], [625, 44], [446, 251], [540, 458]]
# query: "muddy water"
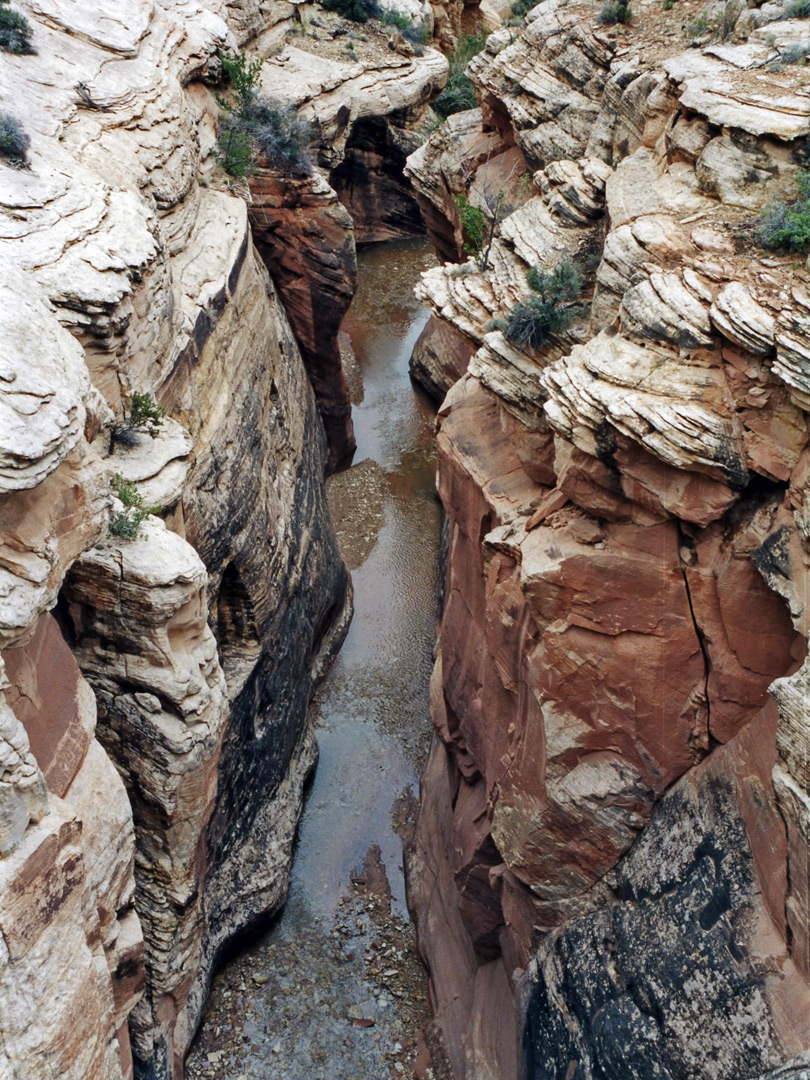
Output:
[[333, 991]]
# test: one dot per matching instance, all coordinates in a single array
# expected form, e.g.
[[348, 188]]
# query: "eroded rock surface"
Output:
[[137, 843], [609, 873]]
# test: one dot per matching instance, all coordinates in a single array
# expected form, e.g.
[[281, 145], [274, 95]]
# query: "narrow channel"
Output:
[[334, 991]]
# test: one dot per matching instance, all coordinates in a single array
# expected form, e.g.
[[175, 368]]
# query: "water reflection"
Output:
[[333, 991]]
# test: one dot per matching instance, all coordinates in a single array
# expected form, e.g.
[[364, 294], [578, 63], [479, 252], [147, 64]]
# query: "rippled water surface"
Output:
[[333, 990]]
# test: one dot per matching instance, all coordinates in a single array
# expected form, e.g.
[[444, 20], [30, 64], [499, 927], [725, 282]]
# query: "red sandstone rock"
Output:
[[305, 237], [52, 701]]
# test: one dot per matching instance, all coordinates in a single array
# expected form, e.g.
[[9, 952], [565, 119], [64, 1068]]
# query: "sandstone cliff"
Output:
[[610, 869], [154, 737], [154, 717]]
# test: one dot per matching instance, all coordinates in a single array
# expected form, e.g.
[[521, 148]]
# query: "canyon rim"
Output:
[[608, 871]]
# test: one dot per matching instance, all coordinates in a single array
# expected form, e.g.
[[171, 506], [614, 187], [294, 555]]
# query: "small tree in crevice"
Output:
[[547, 310], [480, 223]]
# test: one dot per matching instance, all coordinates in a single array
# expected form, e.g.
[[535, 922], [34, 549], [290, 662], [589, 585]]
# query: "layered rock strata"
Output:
[[614, 821], [138, 841]]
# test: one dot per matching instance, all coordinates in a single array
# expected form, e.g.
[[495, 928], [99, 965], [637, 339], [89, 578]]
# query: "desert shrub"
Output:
[[356, 10], [458, 94], [15, 31], [791, 54], [126, 523], [253, 122], [281, 135], [547, 310], [615, 11], [520, 9], [716, 24], [787, 225], [799, 9], [145, 412], [698, 27], [14, 142], [235, 150], [416, 33]]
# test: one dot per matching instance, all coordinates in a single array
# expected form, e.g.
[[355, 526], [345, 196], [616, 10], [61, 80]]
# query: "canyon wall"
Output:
[[609, 875], [154, 717]]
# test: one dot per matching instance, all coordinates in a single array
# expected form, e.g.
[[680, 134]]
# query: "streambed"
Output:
[[333, 990]]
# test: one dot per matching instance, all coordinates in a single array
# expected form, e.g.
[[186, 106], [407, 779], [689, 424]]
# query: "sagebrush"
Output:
[[14, 141], [16, 33], [615, 11], [786, 225], [547, 310], [253, 123]]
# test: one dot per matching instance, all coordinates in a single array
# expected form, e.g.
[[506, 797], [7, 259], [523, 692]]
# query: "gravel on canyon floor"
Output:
[[344, 1001]]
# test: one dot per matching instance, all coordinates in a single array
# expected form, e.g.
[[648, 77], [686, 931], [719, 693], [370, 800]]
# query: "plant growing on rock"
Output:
[[254, 123], [14, 142], [126, 523], [15, 31], [715, 23], [415, 33], [243, 75], [547, 310], [144, 411], [787, 225], [355, 10], [458, 94], [519, 10], [615, 11], [791, 54], [480, 223], [280, 134]]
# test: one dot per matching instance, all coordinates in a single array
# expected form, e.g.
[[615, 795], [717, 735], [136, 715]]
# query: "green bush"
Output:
[[356, 10], [15, 31], [480, 222], [14, 142], [126, 523], [145, 412], [615, 11], [416, 33], [521, 8], [547, 310], [235, 148], [787, 225], [458, 94], [243, 75], [254, 123], [799, 9]]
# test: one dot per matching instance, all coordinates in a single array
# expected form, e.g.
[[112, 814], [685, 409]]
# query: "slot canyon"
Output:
[[404, 540]]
